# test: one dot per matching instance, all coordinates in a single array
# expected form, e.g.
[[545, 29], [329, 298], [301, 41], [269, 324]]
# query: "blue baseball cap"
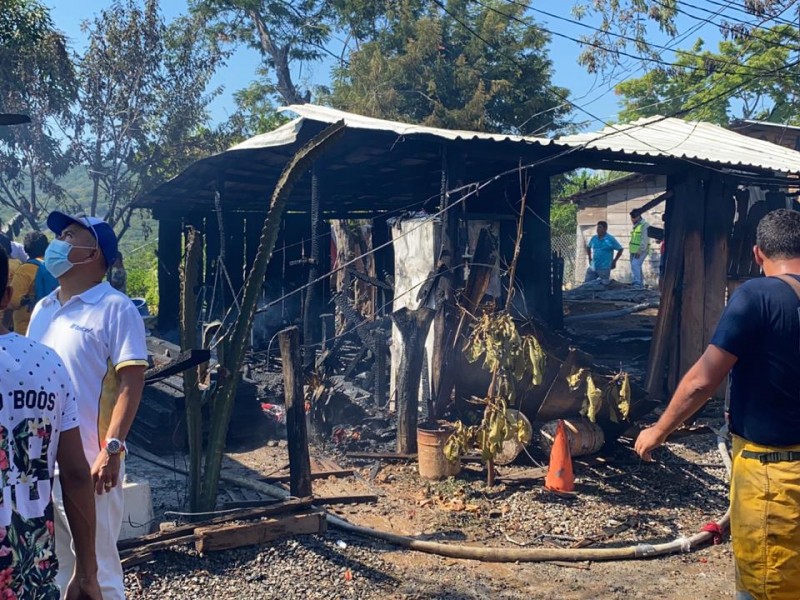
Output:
[[102, 231]]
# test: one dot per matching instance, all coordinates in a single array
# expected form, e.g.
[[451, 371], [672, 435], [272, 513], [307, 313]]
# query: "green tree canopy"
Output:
[[36, 78], [142, 102], [745, 78], [455, 64]]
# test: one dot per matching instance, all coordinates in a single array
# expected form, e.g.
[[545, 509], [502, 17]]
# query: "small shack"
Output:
[[612, 202], [384, 170]]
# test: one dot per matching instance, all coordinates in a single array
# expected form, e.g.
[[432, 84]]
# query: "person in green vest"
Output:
[[639, 246]]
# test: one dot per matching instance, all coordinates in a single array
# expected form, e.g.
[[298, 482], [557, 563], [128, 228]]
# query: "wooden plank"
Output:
[[694, 272], [170, 531], [225, 537], [413, 326], [186, 360], [665, 330], [319, 501], [312, 475], [720, 207], [159, 545], [297, 436], [169, 258]]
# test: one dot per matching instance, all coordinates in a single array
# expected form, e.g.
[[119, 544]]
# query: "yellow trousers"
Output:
[[765, 523]]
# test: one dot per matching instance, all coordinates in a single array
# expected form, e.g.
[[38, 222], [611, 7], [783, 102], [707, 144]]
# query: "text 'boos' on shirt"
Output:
[[37, 404]]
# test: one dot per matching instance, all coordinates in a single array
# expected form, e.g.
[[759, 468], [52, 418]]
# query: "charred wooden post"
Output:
[[234, 257], [169, 259], [297, 436], [213, 298], [663, 349], [380, 373], [413, 326], [311, 308], [446, 318], [535, 256]]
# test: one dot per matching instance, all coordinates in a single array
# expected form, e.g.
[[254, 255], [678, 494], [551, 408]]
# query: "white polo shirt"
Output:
[[96, 334]]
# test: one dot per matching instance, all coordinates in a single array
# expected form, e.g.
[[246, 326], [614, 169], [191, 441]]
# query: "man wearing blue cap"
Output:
[[100, 336]]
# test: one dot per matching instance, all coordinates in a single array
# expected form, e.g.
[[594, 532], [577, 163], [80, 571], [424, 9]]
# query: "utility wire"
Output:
[[623, 37]]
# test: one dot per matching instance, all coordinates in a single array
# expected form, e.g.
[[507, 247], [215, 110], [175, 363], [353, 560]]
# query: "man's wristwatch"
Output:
[[114, 446]]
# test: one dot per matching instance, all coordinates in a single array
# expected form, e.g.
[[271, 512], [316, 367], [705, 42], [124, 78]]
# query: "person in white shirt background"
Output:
[[100, 336]]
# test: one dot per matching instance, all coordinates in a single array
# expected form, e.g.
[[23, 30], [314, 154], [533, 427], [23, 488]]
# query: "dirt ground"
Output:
[[640, 503]]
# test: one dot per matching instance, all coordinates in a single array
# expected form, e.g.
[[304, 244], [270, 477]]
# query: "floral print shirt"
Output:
[[37, 403]]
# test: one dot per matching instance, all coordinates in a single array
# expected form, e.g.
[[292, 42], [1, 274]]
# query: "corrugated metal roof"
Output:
[[332, 115], [691, 140], [282, 136]]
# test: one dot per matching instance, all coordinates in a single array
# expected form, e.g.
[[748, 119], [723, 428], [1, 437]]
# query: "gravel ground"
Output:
[[644, 503]]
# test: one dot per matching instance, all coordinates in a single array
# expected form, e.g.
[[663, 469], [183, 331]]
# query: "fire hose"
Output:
[[711, 533]]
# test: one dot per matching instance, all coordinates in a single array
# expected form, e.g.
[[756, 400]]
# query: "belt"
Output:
[[772, 457]]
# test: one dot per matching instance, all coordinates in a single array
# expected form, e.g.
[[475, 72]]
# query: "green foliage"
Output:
[[37, 78], [142, 102], [749, 78], [142, 268], [564, 215], [421, 64], [287, 34]]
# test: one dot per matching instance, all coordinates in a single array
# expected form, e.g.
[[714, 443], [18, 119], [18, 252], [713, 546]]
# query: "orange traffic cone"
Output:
[[560, 477]]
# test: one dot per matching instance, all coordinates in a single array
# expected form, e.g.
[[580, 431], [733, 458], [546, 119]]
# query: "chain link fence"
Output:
[[564, 245]]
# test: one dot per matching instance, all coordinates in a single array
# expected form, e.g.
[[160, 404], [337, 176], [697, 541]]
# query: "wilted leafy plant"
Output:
[[509, 357]]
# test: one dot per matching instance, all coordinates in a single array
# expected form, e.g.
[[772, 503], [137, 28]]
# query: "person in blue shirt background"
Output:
[[601, 255]]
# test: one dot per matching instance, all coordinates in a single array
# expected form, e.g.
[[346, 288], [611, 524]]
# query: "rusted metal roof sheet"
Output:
[[689, 140]]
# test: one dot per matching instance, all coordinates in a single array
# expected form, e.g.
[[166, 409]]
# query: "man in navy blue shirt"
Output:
[[758, 341]]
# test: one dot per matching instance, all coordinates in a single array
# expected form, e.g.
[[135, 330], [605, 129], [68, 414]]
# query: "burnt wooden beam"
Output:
[[297, 436], [446, 318], [535, 257], [169, 259], [663, 348], [413, 326], [186, 360], [692, 291], [312, 304]]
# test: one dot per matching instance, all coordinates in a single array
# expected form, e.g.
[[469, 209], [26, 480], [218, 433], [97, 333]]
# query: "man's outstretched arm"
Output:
[[693, 392]]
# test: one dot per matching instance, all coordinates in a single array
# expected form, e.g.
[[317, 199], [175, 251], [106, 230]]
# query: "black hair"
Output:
[[635, 213], [35, 244], [5, 244], [3, 271], [603, 223], [778, 234]]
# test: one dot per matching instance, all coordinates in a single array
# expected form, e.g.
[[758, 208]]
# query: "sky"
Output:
[[597, 98]]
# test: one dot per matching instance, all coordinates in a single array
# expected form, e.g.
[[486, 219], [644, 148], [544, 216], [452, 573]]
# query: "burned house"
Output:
[[428, 193]]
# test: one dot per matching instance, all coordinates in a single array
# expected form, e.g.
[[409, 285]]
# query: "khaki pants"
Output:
[[765, 524]]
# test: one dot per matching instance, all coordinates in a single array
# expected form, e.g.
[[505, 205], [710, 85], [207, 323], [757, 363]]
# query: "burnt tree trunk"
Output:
[[413, 326]]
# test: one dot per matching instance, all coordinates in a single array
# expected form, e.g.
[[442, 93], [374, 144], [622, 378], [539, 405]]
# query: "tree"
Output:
[[142, 103], [626, 25], [460, 64], [36, 78], [746, 78], [286, 33]]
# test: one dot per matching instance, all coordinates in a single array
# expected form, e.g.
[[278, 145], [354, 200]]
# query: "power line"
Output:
[[628, 38], [618, 51], [722, 27]]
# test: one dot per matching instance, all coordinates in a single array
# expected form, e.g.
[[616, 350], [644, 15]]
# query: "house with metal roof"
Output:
[[381, 170]]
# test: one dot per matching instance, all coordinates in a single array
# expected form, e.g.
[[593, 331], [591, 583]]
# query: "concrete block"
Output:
[[138, 511]]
